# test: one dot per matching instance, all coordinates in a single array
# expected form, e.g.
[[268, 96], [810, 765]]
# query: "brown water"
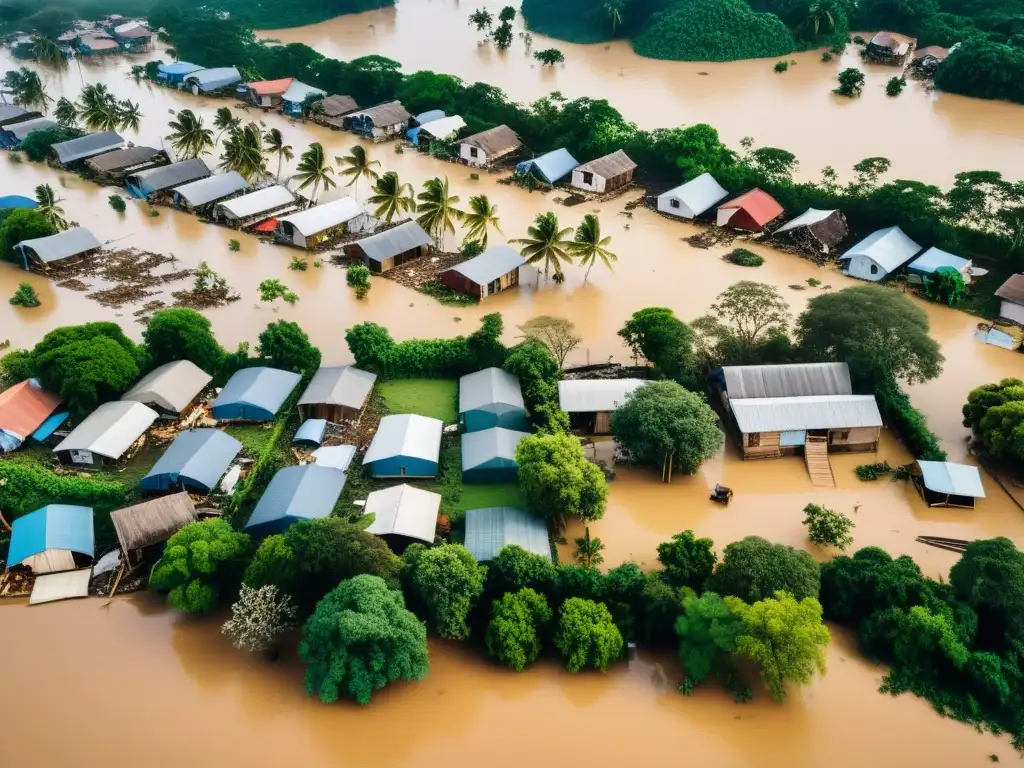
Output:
[[162, 675]]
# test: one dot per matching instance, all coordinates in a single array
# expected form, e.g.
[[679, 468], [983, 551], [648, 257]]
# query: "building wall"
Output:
[[763, 445], [1012, 311], [497, 416], [82, 459], [393, 466], [744, 221], [768, 444], [597, 183], [332, 413], [494, 471], [506, 281], [241, 412], [459, 282], [860, 267], [665, 206], [466, 153]]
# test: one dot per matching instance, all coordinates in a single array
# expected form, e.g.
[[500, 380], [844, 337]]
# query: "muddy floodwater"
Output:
[[134, 682]]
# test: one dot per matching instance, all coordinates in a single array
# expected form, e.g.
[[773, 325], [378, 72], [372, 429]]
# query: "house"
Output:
[[482, 149], [23, 409], [114, 166], [54, 538], [171, 388], [308, 492], [67, 152], [268, 93], [336, 393], [493, 271], [391, 248], [134, 36], [550, 167], [310, 433], [491, 398], [43, 251], [12, 134], [313, 226], [238, 211], [934, 259], [380, 123], [254, 394], [405, 445], [195, 461], [889, 48], [10, 202], [606, 174], [879, 254], [10, 115], [945, 484], [105, 435], [197, 195], [489, 456], [490, 530], [824, 229], [740, 382], [690, 200], [403, 514], [1012, 294], [337, 457], [146, 184], [97, 44], [750, 212], [927, 59], [210, 80], [782, 426], [590, 402], [143, 528], [444, 129], [333, 108], [175, 72], [294, 98]]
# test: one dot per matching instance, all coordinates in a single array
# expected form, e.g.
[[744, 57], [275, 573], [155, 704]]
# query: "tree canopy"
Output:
[[989, 577], [558, 481], [286, 346], [518, 625], [707, 632], [448, 582], [657, 335], [995, 412], [687, 560], [182, 334], [19, 225], [754, 569], [586, 635]]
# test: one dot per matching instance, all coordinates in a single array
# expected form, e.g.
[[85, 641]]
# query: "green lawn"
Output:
[[435, 398], [479, 496]]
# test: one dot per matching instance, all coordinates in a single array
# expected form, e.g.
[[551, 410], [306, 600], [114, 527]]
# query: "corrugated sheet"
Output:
[[254, 203], [406, 434], [443, 128], [551, 166], [933, 258], [323, 217], [334, 456], [171, 386], [63, 245], [311, 432], [88, 146], [478, 448], [178, 68], [298, 91], [197, 458], [490, 530], [123, 158], [404, 510], [394, 241], [746, 381], [429, 116], [265, 388], [206, 191], [24, 407], [487, 387], [169, 176], [51, 587], [697, 195], [609, 166], [494, 141], [9, 111], [595, 395], [1012, 290], [110, 430], [152, 522], [308, 492], [955, 479], [343, 385], [57, 526], [781, 414], [21, 130], [212, 79], [888, 248], [491, 264]]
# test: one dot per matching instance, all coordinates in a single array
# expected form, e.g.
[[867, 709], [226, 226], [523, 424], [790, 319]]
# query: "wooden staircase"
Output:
[[818, 466]]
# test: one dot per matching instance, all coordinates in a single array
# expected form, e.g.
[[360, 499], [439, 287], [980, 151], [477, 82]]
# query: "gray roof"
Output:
[[7, 111], [933, 258], [211, 189], [888, 248], [490, 530], [336, 106], [406, 434], [63, 245], [381, 115], [88, 146], [212, 79], [110, 430], [744, 381], [493, 141], [552, 165], [784, 414], [298, 91], [170, 176], [265, 388], [490, 265], [200, 455], [311, 432], [343, 385], [489, 386], [595, 395], [955, 479], [610, 166], [488, 444], [171, 386], [394, 241], [309, 492], [699, 194], [21, 130], [805, 219], [254, 203], [124, 158], [404, 510], [429, 116], [320, 218], [335, 456]]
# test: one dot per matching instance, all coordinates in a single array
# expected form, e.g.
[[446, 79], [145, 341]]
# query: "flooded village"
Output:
[[151, 664]]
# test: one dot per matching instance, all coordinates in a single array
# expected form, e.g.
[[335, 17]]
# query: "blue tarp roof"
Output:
[[311, 432], [551, 167], [178, 68], [17, 201], [57, 526], [430, 114], [264, 389], [197, 458], [308, 492], [50, 426]]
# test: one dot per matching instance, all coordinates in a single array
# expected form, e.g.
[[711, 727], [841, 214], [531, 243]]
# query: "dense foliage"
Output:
[[286, 346], [447, 581], [538, 374], [22, 224], [826, 526], [687, 560], [586, 635], [988, 70], [36, 145], [182, 334], [557, 481], [518, 625], [655, 334], [754, 569], [995, 413]]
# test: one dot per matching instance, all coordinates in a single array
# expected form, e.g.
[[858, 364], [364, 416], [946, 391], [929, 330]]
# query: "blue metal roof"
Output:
[[57, 526], [257, 389], [311, 432], [197, 458], [308, 492], [551, 167], [430, 114], [17, 201], [50, 426], [178, 68]]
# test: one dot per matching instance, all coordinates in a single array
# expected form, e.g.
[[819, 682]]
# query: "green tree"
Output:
[[313, 171], [502, 36], [371, 345], [22, 224], [360, 638], [182, 334], [666, 426], [995, 412], [753, 569], [588, 550], [482, 215], [357, 165], [25, 296], [557, 480], [707, 632], [48, 206], [851, 82], [586, 635], [47, 52], [448, 582], [273, 564], [65, 113], [548, 57], [189, 137], [752, 311], [243, 153], [661, 605], [199, 563], [895, 86], [436, 209], [989, 577], [658, 336], [481, 18], [224, 121], [687, 561], [826, 526], [946, 285], [589, 247], [615, 9], [546, 243], [508, 14], [358, 277], [519, 623], [514, 569], [286, 346], [274, 144], [273, 289], [27, 89], [392, 197]]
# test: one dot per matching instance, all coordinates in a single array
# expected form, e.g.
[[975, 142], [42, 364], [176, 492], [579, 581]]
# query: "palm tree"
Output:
[[129, 115], [189, 137], [98, 108], [28, 90], [314, 170], [275, 145], [588, 245], [436, 209], [392, 197], [821, 16], [48, 204], [614, 9], [588, 550], [482, 214], [545, 242], [46, 51], [357, 164], [66, 113], [224, 121], [243, 152]]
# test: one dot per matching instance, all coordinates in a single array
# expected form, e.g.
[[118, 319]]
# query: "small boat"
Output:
[[721, 494]]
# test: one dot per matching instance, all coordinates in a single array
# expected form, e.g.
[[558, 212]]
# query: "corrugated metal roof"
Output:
[[493, 141], [343, 385], [298, 91], [209, 190], [488, 444], [170, 176], [311, 432], [63, 245], [201, 456], [334, 456], [51, 587], [595, 395], [171, 386], [490, 530], [933, 258], [152, 522], [609, 166], [254, 203], [123, 158], [394, 241], [1012, 290], [805, 219], [7, 111], [406, 434], [56, 526], [487, 387], [698, 195], [490, 265], [265, 388], [323, 217], [21, 130], [404, 510], [443, 128], [308, 492], [212, 79], [110, 430], [888, 248], [429, 116], [757, 203], [955, 479], [552, 166], [178, 68], [783, 414], [746, 381], [88, 146], [24, 407]]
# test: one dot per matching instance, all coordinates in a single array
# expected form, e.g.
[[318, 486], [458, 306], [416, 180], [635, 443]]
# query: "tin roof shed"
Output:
[[490, 265], [168, 176], [87, 146], [406, 434], [335, 456], [170, 387], [751, 211], [23, 408], [311, 432], [343, 385], [255, 203], [952, 479], [491, 529], [44, 540], [404, 510], [694, 197], [801, 380], [933, 259], [110, 430], [210, 190], [391, 242], [197, 460], [551, 166], [152, 522], [63, 245], [255, 394], [889, 248], [308, 492], [323, 217], [20, 130], [785, 414], [595, 395], [213, 79]]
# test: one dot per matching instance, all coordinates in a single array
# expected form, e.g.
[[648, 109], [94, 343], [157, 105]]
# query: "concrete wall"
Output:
[[597, 183], [466, 153], [861, 266], [665, 206]]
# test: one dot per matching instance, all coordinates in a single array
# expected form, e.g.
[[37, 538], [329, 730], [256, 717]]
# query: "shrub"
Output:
[[25, 296], [826, 56], [745, 258], [868, 472], [358, 277], [471, 248], [826, 526], [895, 86], [258, 618], [117, 203], [851, 82], [22, 224], [781, 66], [36, 145], [153, 213], [549, 57], [182, 334], [517, 628], [687, 560], [586, 635], [557, 481], [448, 581], [858, 40], [911, 424], [235, 246]]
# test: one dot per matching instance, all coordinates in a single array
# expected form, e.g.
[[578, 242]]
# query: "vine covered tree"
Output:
[[199, 562]]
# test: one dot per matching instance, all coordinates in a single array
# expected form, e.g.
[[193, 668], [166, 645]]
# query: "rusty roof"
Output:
[[24, 407], [761, 206], [609, 166], [1012, 290]]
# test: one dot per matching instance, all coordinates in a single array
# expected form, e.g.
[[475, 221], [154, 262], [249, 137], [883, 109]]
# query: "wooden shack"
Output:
[[143, 529], [380, 123], [606, 174], [493, 271]]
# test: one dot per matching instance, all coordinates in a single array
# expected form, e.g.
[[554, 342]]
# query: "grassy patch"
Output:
[[447, 296], [435, 398], [745, 258], [480, 496], [253, 437]]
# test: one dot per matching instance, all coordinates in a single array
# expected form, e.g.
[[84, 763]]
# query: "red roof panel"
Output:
[[758, 204]]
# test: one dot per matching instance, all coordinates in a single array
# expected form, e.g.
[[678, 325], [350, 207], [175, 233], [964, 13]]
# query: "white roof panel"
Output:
[[51, 587], [323, 217], [888, 248], [110, 430], [404, 510], [783, 414], [406, 434], [595, 395], [172, 386], [698, 195], [257, 202], [955, 479], [805, 219], [443, 128]]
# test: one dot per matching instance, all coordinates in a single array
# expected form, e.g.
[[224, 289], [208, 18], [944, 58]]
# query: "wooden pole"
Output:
[[671, 459], [117, 582]]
